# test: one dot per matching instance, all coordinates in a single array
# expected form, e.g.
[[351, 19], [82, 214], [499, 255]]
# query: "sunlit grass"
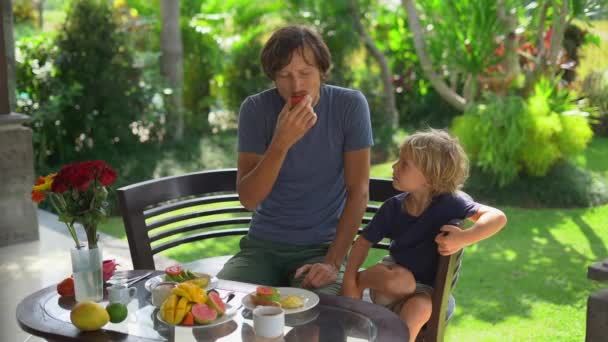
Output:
[[594, 58], [594, 158]]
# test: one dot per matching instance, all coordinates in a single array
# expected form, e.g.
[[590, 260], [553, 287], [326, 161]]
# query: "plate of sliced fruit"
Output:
[[190, 306], [177, 274], [291, 299]]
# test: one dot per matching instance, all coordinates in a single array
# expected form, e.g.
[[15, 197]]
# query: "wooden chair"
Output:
[[142, 202]]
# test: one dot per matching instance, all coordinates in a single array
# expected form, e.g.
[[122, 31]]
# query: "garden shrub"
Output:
[[243, 75], [86, 99], [202, 61], [494, 135], [36, 95], [95, 66], [564, 186], [24, 12], [506, 136]]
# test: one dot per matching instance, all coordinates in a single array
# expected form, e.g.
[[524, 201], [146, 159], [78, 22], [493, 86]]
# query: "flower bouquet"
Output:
[[78, 193]]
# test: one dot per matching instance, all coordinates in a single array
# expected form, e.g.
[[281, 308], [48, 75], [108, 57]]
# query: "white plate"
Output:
[[309, 298], [160, 278], [226, 317]]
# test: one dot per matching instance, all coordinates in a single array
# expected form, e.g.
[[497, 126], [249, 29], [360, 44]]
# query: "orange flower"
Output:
[[38, 196], [44, 183]]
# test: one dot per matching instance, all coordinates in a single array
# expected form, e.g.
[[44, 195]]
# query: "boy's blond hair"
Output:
[[439, 157]]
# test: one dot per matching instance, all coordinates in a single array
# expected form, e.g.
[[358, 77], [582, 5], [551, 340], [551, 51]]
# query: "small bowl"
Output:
[[161, 291]]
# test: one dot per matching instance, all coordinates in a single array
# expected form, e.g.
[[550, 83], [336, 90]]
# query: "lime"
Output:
[[117, 311]]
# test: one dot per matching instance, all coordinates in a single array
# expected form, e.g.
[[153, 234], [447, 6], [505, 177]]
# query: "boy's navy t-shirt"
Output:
[[309, 195], [413, 238]]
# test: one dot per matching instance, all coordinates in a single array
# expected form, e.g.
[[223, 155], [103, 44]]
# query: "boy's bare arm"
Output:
[[488, 221], [356, 258]]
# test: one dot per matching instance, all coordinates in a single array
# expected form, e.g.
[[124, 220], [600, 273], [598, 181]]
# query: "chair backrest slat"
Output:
[[197, 214], [196, 226], [190, 203], [198, 237]]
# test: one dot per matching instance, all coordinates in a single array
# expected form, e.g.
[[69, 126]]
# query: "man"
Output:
[[303, 169]]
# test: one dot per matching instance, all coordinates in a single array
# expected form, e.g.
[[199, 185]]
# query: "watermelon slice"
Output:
[[216, 303], [203, 314]]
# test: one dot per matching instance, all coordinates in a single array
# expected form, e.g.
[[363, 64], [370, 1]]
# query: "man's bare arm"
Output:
[[256, 174], [356, 176]]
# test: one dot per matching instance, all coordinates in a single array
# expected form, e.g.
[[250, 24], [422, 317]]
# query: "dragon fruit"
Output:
[[109, 267]]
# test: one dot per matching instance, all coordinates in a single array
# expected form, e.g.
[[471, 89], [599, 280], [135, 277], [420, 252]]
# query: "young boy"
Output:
[[432, 166]]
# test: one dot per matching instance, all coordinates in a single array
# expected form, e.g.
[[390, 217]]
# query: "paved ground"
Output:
[[31, 266]]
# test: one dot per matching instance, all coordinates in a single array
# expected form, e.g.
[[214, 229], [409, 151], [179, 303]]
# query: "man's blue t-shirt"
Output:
[[308, 197], [413, 237]]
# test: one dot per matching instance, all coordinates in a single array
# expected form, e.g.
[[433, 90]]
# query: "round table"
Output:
[[46, 315]]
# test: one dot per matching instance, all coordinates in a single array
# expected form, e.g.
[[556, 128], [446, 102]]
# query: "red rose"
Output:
[[59, 186], [81, 179], [108, 176]]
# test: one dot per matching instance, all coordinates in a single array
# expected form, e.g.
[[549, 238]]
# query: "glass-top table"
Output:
[[335, 319]]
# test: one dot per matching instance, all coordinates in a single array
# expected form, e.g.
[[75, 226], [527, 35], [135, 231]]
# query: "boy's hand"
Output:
[[350, 289], [450, 240]]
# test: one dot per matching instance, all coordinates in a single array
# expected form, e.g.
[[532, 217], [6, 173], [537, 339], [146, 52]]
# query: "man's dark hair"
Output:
[[278, 50]]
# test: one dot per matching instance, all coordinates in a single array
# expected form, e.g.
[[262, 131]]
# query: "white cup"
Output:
[[268, 321], [120, 293], [160, 292]]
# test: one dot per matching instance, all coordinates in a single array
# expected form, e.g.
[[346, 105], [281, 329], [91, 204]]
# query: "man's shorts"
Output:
[[396, 305], [274, 264]]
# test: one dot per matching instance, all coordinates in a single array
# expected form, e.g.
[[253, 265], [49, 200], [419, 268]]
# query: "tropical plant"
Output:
[[506, 135], [481, 42]]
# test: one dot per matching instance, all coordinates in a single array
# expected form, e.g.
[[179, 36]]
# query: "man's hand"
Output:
[[319, 275], [293, 123], [450, 240]]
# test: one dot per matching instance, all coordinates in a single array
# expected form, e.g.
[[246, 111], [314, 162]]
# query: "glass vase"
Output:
[[88, 273]]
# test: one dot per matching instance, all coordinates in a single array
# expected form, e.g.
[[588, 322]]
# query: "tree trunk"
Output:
[[557, 37], [390, 107], [548, 58], [40, 14], [171, 62], [509, 19], [439, 84]]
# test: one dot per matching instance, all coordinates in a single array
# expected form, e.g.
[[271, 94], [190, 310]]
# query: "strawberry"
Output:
[[296, 99], [66, 287]]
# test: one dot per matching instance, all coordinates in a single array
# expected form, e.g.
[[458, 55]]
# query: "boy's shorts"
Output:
[[396, 305]]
